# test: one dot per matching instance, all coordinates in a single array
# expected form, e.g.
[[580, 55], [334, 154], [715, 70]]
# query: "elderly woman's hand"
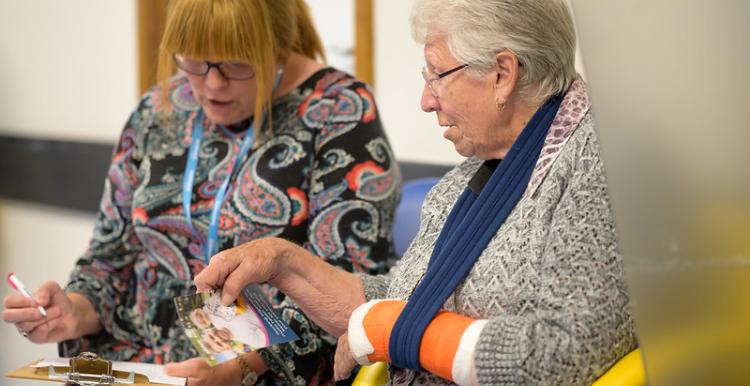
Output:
[[325, 293], [257, 261], [344, 360]]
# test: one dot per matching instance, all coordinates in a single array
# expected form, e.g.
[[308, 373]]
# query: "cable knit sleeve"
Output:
[[581, 324], [376, 287]]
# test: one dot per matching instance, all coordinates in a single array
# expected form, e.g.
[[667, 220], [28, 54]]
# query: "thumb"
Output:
[[214, 275], [185, 368], [46, 292]]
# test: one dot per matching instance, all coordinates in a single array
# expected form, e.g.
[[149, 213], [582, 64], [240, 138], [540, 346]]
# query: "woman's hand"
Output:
[[199, 373], [257, 261], [326, 294], [69, 316], [343, 361]]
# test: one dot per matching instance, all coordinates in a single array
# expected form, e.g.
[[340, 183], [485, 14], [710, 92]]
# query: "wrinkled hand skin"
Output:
[[344, 360]]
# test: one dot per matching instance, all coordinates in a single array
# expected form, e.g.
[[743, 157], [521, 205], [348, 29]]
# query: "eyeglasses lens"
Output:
[[230, 70]]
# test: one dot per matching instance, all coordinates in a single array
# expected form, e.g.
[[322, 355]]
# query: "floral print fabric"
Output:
[[325, 178]]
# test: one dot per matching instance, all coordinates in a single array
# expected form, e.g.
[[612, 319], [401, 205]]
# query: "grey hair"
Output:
[[539, 32]]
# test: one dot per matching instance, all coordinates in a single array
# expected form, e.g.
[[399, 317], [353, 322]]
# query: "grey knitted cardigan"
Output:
[[550, 281]]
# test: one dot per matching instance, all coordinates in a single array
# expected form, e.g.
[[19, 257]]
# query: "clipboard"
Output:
[[85, 369]]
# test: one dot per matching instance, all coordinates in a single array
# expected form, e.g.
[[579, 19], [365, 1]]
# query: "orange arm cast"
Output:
[[446, 349]]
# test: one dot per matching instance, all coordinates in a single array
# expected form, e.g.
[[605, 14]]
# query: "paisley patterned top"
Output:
[[326, 179]]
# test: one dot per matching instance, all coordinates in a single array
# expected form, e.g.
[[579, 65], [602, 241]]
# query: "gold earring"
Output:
[[500, 106]]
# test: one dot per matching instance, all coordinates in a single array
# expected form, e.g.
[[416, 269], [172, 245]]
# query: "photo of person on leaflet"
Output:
[[239, 318]]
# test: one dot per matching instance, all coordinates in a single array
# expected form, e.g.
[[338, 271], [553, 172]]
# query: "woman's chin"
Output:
[[221, 116], [463, 150]]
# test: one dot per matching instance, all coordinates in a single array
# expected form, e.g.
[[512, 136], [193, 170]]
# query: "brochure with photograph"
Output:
[[221, 333]]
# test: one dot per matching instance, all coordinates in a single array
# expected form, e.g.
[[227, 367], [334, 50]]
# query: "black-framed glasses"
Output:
[[432, 82], [229, 70]]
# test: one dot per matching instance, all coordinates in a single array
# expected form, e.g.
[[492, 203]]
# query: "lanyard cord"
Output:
[[211, 244]]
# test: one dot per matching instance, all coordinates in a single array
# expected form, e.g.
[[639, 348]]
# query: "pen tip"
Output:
[[11, 281]]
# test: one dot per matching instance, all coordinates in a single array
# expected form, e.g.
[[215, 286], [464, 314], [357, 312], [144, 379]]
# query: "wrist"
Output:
[[83, 319], [250, 367], [370, 327], [286, 264], [233, 373], [446, 348]]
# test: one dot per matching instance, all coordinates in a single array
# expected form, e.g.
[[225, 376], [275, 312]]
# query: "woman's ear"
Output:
[[506, 75]]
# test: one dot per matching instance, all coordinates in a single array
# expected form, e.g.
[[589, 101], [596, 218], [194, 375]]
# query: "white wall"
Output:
[[414, 134], [67, 71], [336, 31], [67, 68]]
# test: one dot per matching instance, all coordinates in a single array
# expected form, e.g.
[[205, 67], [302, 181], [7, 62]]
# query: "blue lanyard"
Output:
[[211, 245]]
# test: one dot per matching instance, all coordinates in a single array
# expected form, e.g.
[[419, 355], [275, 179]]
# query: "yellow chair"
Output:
[[628, 371], [375, 374]]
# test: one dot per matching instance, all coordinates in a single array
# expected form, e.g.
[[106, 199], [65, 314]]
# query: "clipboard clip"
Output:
[[87, 369]]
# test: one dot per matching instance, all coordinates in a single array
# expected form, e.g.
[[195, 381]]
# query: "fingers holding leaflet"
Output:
[[213, 276], [250, 263]]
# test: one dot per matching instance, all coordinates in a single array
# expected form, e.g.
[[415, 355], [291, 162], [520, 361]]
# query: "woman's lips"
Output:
[[218, 103], [451, 133]]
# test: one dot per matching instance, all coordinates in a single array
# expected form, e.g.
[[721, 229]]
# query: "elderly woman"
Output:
[[515, 275]]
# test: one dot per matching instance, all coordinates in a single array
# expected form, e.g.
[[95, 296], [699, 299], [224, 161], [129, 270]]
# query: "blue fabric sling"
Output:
[[470, 226]]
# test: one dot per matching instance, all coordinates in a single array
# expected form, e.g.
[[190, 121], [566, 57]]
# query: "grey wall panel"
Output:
[[71, 174]]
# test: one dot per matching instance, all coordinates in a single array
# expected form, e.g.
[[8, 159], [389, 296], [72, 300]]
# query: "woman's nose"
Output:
[[429, 102], [215, 79]]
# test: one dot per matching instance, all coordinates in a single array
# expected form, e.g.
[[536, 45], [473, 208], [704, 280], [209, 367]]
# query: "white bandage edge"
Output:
[[463, 362], [359, 345]]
